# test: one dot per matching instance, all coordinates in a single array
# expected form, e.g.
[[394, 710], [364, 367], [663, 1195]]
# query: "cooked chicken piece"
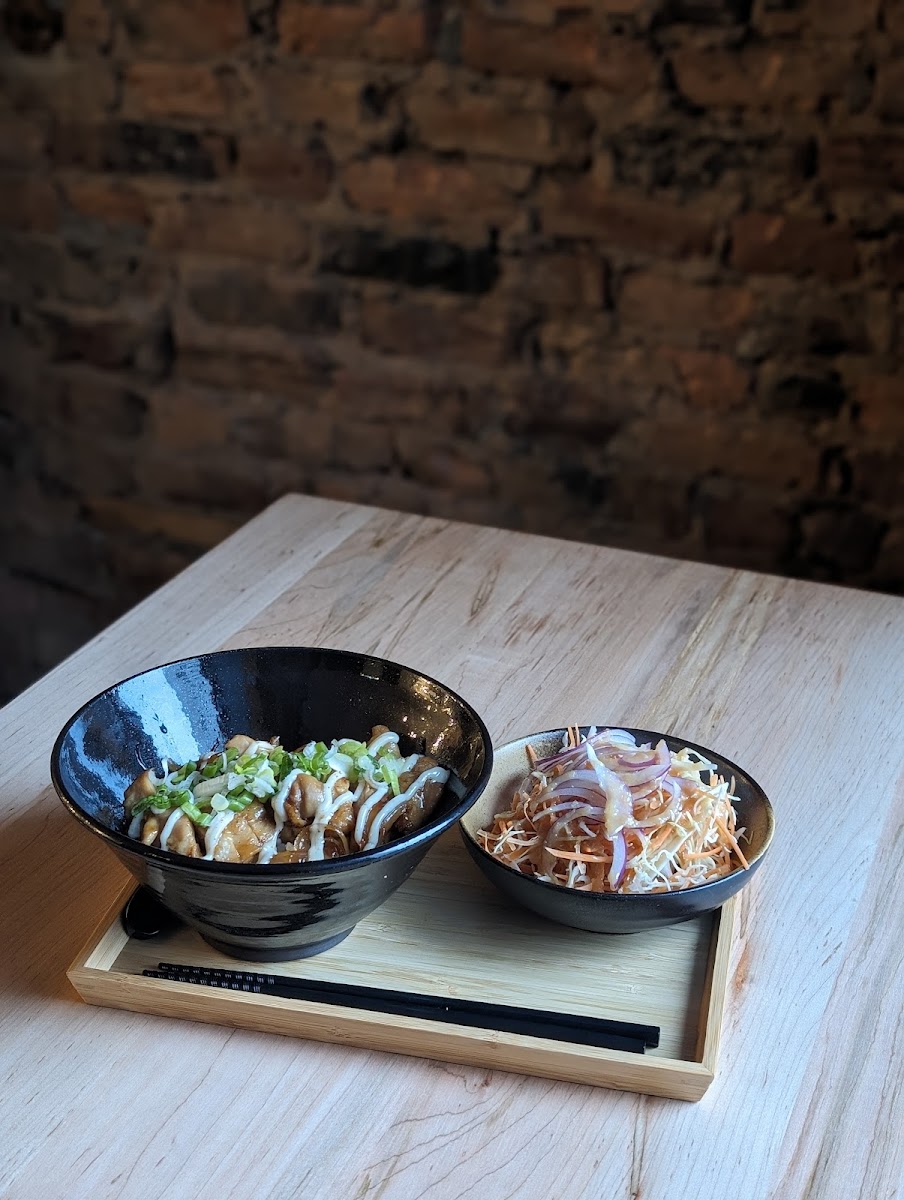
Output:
[[150, 830], [287, 856], [377, 731], [298, 843], [182, 839], [421, 805], [343, 819], [243, 837], [301, 840], [335, 845], [240, 742], [139, 790], [304, 799]]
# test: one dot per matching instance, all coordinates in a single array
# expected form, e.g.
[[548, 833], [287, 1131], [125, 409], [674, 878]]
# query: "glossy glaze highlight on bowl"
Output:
[[186, 708], [602, 912]]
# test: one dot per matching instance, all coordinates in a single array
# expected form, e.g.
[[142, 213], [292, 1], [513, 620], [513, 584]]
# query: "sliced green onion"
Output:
[[218, 802], [191, 810]]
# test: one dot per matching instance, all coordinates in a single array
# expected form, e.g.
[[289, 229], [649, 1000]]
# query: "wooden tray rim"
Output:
[[93, 977]]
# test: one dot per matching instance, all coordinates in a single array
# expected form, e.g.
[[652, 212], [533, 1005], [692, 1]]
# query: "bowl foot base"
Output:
[[277, 954]]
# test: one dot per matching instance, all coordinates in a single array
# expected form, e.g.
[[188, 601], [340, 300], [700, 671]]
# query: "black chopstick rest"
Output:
[[584, 1031]]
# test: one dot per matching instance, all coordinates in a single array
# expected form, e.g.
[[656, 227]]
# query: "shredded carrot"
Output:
[[577, 856]]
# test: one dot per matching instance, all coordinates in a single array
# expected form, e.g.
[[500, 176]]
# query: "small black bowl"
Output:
[[181, 710], [603, 912]]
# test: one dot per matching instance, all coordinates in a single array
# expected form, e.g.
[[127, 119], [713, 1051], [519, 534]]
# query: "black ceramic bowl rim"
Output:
[[615, 898], [261, 871]]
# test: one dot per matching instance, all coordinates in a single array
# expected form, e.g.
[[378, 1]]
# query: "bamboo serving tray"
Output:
[[447, 932]]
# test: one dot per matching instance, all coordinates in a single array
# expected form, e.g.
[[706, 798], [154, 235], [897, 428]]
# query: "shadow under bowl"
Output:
[[603, 912], [184, 709]]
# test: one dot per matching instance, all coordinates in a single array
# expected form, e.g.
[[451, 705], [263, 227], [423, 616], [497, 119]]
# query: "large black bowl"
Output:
[[605, 912], [186, 708]]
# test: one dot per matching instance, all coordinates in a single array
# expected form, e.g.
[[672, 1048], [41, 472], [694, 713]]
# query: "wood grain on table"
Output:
[[798, 682]]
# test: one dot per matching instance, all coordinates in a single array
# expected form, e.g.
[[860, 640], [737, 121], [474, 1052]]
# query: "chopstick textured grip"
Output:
[[586, 1031]]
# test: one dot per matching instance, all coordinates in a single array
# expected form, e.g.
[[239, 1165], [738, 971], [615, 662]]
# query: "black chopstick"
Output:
[[560, 1027]]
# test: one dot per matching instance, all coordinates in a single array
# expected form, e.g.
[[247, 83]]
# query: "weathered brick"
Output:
[[575, 51], [445, 329], [580, 207], [876, 475], [890, 90], [551, 408], [774, 76], [28, 202], [766, 243], [242, 486], [868, 161], [231, 226], [893, 18], [171, 29], [32, 28], [245, 297], [711, 382], [559, 279], [482, 124], [112, 201], [800, 319], [140, 148], [548, 12], [136, 337], [660, 303], [252, 359], [841, 536], [57, 623], [98, 404], [416, 262], [378, 388], [802, 391], [47, 269], [891, 259], [888, 570], [89, 25], [198, 529], [168, 90], [420, 188], [22, 140], [744, 524], [84, 88], [438, 464], [356, 99], [352, 31], [299, 169], [829, 18], [880, 405]]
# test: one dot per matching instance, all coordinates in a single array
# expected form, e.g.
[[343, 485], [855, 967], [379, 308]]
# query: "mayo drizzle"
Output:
[[365, 811], [278, 804], [382, 740], [214, 831], [169, 826], [326, 809], [392, 807]]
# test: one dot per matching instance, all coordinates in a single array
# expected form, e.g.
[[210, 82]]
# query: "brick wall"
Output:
[[623, 270]]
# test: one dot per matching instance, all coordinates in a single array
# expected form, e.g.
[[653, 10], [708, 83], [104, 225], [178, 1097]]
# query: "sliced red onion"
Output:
[[617, 739], [619, 861], [619, 807]]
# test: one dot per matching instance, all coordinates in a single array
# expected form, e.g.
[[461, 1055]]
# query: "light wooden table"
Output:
[[802, 683]]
